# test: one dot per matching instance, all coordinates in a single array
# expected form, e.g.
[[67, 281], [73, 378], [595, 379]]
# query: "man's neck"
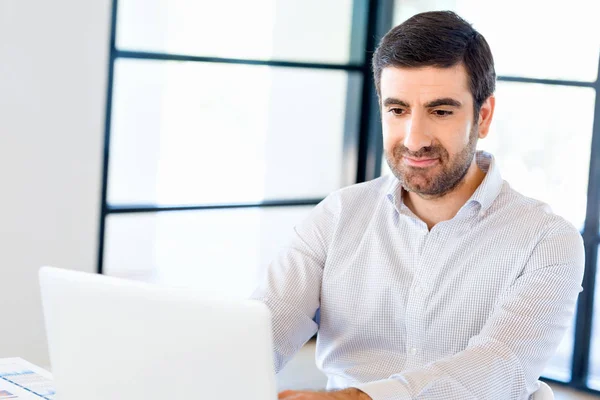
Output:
[[435, 210]]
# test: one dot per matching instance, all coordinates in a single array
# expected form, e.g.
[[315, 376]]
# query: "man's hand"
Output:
[[346, 394]]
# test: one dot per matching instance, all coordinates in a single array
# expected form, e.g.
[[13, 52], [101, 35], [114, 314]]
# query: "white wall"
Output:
[[53, 71]]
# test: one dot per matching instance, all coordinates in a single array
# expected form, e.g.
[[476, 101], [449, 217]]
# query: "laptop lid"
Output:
[[111, 338]]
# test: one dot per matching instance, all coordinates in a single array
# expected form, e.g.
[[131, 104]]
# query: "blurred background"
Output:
[[179, 141]]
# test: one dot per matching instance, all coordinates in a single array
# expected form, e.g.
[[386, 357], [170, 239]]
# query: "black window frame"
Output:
[[370, 21]]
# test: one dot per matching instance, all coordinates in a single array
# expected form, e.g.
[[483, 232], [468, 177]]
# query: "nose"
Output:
[[416, 136]]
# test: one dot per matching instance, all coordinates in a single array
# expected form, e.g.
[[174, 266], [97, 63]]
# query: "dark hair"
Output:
[[439, 39]]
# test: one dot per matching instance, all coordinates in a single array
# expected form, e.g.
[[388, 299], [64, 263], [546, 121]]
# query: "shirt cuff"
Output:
[[386, 389]]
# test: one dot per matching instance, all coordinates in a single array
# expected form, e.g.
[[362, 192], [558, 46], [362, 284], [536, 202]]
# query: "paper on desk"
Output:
[[22, 380]]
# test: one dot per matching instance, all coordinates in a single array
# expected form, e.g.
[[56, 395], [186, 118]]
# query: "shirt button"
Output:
[[418, 289], [413, 351]]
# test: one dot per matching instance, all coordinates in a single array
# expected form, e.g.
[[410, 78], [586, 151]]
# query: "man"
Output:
[[439, 282]]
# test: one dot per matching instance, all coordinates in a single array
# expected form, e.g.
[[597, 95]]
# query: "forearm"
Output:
[[476, 373], [291, 328], [506, 359]]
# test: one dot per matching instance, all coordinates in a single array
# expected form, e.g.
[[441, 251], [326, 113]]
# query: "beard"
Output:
[[439, 179]]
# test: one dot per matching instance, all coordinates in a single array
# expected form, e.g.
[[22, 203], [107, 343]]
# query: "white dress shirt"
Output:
[[472, 309]]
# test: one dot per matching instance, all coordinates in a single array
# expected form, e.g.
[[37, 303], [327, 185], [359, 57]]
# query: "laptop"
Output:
[[112, 338]]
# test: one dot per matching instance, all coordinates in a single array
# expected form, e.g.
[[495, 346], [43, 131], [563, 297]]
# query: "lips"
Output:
[[419, 162]]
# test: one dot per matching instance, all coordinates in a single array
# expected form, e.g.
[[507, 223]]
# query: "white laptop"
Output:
[[111, 338]]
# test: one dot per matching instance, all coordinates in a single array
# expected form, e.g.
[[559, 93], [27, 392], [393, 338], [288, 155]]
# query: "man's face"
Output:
[[429, 134]]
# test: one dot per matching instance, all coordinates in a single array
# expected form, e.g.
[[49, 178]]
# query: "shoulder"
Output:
[[553, 237], [530, 212]]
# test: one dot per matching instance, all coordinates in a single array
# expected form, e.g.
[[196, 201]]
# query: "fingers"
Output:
[[287, 394], [302, 395]]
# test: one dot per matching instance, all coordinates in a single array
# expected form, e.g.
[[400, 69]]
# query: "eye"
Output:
[[442, 113], [396, 111]]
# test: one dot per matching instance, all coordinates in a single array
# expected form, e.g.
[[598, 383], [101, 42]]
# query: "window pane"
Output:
[[203, 132], [541, 137], [594, 370], [529, 38], [298, 30], [222, 251]]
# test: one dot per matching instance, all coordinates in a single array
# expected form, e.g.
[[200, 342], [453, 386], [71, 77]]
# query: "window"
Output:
[[224, 129], [197, 133], [220, 250], [594, 368]]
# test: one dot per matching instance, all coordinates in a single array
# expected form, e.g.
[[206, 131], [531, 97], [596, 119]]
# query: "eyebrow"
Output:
[[390, 101], [446, 101]]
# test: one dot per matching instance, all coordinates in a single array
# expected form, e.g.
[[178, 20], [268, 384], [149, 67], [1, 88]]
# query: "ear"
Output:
[[485, 116]]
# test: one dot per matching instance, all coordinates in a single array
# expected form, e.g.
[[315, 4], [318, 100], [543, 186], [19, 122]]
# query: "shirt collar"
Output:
[[484, 195]]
